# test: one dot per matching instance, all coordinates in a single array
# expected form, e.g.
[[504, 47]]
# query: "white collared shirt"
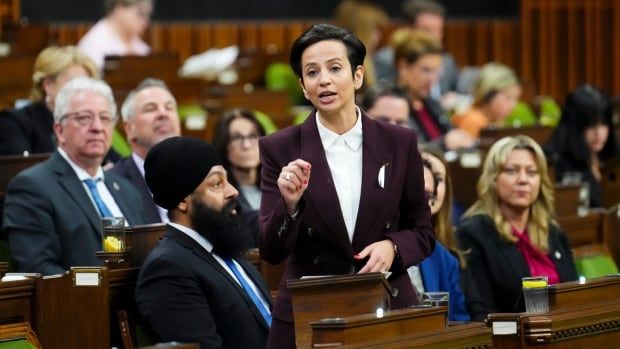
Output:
[[105, 194], [204, 243], [344, 157], [163, 213]]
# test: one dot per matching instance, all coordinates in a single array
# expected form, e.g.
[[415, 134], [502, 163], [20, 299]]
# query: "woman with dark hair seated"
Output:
[[236, 139], [585, 139], [510, 233]]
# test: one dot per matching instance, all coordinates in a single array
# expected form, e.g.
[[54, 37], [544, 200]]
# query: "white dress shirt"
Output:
[[163, 213], [202, 241], [344, 157], [105, 194]]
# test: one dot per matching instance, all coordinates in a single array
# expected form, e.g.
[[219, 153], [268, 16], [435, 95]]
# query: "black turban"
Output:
[[175, 167]]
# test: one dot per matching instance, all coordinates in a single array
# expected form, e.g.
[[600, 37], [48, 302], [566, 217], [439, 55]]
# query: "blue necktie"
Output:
[[249, 290], [104, 211]]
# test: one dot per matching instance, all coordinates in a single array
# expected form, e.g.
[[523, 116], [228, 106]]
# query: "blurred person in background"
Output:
[[585, 139], [236, 140], [30, 129], [428, 16], [150, 115], [388, 104], [496, 93], [418, 63], [119, 32], [367, 21]]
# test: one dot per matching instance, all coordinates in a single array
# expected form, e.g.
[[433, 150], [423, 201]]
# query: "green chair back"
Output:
[[595, 266]]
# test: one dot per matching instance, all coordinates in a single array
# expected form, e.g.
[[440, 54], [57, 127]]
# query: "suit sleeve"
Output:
[[13, 140], [277, 232], [416, 240], [28, 220], [174, 304], [477, 268]]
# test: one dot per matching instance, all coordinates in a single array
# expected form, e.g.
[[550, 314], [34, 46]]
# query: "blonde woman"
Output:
[[496, 93], [30, 129], [509, 233]]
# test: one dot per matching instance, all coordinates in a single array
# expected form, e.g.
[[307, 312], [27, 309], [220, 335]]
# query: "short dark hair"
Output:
[[374, 93], [356, 51], [413, 8]]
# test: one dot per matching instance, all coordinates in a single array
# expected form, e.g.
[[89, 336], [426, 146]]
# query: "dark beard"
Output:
[[222, 228]]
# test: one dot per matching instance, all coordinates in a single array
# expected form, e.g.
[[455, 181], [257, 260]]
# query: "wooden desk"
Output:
[[17, 299], [468, 336], [355, 330], [587, 326], [582, 315], [335, 296]]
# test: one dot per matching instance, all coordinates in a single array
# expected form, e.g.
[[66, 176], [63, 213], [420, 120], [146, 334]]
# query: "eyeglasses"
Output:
[[238, 140], [85, 118]]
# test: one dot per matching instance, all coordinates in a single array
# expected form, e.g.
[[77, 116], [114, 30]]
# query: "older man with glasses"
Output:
[[52, 210]]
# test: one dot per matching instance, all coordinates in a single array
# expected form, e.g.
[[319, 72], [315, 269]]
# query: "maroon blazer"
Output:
[[316, 242]]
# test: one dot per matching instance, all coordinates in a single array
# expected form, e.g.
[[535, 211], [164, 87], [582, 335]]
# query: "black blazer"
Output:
[[51, 222], [27, 129], [128, 169], [497, 266], [185, 295]]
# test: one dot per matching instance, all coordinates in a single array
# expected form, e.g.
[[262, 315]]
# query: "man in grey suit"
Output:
[[150, 115], [52, 210]]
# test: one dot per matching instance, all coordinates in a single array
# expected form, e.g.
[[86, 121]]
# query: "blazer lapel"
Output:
[[120, 199], [71, 184], [375, 155], [208, 257], [321, 192]]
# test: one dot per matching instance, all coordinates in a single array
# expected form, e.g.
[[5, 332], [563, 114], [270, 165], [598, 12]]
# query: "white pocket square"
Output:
[[381, 178]]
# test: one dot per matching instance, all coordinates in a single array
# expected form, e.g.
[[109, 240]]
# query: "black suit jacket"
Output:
[[184, 294], [128, 169], [52, 223], [27, 129], [497, 266]]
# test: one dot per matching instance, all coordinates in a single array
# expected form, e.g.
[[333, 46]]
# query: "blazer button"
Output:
[[388, 224], [558, 255], [309, 231], [316, 260]]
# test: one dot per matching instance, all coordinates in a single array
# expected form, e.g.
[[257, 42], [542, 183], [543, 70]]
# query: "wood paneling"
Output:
[[565, 43]]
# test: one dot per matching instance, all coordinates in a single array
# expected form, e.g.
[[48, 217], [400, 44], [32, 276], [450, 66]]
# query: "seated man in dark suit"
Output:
[[52, 210], [150, 116], [195, 286]]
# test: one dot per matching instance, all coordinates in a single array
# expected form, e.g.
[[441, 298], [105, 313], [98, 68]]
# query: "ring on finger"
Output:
[[287, 176]]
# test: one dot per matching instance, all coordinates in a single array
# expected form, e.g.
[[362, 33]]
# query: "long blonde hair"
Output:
[[541, 211], [54, 60]]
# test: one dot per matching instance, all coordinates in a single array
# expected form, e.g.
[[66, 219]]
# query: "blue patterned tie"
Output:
[[249, 290], [104, 211]]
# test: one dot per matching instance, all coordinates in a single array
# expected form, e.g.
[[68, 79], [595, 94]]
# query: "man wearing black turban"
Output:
[[195, 286]]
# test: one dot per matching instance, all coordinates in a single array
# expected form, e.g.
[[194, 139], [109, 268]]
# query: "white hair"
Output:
[[82, 84], [128, 109]]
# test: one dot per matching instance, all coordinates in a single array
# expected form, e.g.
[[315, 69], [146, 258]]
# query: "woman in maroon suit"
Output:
[[342, 193]]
